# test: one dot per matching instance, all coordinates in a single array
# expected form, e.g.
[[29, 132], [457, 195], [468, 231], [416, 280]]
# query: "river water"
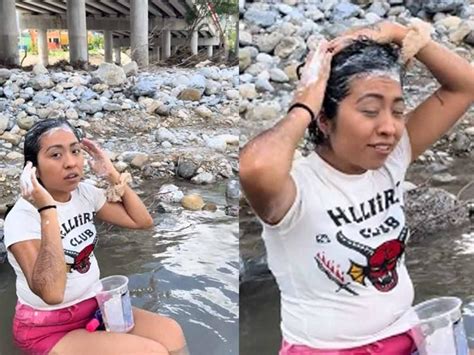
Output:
[[439, 265], [186, 268]]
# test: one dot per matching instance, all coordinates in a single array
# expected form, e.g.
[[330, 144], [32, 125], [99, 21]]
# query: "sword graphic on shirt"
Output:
[[333, 273]]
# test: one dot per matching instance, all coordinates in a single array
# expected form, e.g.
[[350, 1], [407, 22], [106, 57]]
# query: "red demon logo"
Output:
[[381, 262]]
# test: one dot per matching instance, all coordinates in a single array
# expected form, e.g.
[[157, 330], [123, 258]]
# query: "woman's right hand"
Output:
[[315, 74], [31, 189]]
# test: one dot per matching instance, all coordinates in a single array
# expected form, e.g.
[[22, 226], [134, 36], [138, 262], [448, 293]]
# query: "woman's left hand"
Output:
[[100, 162]]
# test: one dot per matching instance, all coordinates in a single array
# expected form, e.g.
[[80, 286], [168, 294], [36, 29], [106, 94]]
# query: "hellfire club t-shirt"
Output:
[[338, 254], [78, 235]]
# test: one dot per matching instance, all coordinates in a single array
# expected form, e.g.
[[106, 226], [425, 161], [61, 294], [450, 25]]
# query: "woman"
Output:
[[50, 237], [334, 224]]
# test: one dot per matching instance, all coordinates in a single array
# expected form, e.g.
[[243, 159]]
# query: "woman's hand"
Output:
[[314, 77], [31, 189], [100, 162], [381, 32]]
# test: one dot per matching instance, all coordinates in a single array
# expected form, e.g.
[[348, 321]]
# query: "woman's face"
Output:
[[369, 124], [60, 161]]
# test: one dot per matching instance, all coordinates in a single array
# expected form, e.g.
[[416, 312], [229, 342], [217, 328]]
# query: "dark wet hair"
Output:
[[361, 56], [34, 134]]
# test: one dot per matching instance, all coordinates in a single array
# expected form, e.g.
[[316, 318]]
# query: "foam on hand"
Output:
[[25, 179], [312, 69]]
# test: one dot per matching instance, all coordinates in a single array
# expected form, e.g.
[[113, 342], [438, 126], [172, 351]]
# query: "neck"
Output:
[[60, 196], [327, 154]]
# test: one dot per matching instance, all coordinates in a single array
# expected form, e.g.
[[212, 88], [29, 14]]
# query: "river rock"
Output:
[[203, 112], [10, 138], [110, 106], [131, 68], [186, 168], [192, 202], [245, 58], [139, 160], [434, 6], [233, 190], [14, 156], [145, 87], [164, 134], [110, 74], [278, 75], [170, 193], [39, 69], [42, 98], [245, 38], [260, 17], [4, 121], [42, 81], [264, 111], [190, 94], [25, 122], [344, 10], [247, 91], [232, 94], [267, 42], [71, 114], [4, 75], [202, 178], [290, 45]]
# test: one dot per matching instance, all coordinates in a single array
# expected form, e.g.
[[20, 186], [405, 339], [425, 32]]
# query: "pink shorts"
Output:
[[401, 344], [37, 332]]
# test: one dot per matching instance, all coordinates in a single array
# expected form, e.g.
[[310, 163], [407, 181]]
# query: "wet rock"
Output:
[[186, 168], [233, 190], [260, 17], [131, 68], [202, 178], [110, 74], [461, 143], [170, 193], [145, 87], [469, 131], [40, 69], [443, 178], [192, 202], [139, 160], [211, 207], [431, 210], [190, 94], [232, 211]]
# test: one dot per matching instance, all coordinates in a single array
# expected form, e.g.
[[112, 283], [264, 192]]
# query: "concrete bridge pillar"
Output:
[[77, 30], [166, 44], [8, 33], [194, 42], [118, 55], [43, 46], [108, 45], [139, 31]]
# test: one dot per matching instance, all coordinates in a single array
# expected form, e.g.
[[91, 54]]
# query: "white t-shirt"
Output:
[[78, 234], [337, 255]]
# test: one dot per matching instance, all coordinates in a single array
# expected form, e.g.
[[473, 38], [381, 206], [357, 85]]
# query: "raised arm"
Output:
[[130, 212], [42, 261], [266, 160]]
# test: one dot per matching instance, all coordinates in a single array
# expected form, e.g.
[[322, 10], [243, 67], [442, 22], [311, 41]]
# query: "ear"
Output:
[[323, 123]]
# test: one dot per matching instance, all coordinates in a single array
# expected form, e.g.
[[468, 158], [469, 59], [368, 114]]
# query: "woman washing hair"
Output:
[[50, 237], [333, 222]]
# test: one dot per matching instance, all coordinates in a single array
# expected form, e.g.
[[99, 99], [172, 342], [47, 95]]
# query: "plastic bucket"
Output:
[[440, 329], [114, 301]]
